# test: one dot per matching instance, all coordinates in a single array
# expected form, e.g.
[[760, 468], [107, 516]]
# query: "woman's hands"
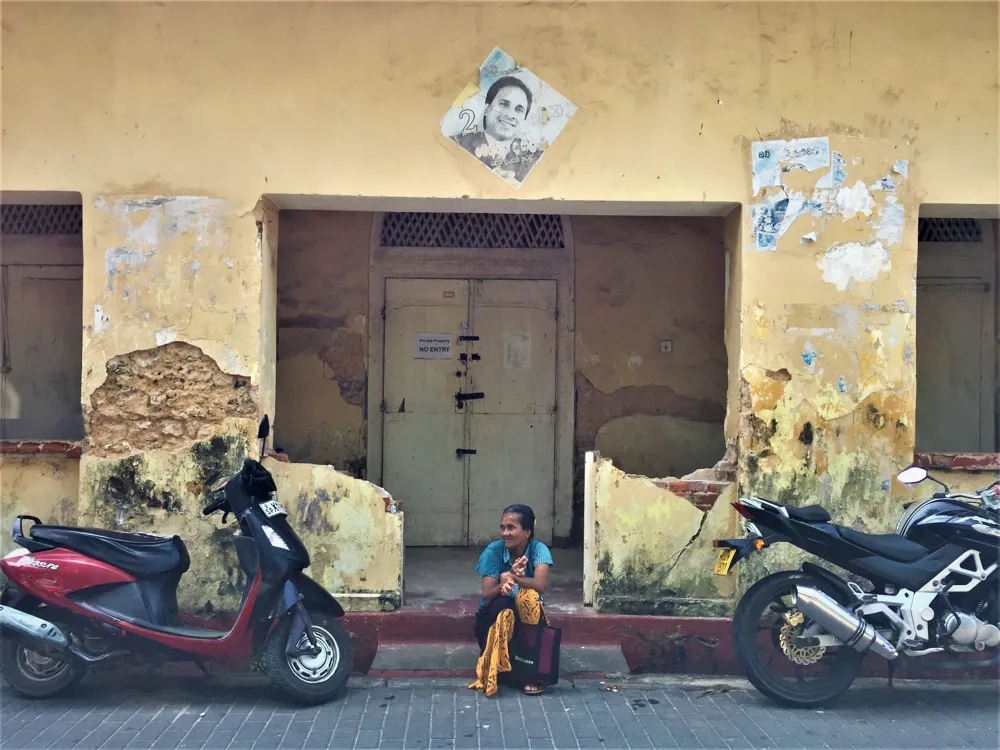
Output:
[[519, 566], [507, 583]]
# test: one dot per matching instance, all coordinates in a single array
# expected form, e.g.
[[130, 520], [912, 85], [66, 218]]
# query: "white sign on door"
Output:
[[432, 346]]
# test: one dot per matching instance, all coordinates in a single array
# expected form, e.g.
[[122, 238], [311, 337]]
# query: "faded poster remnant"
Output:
[[508, 118], [854, 262], [517, 351], [771, 158]]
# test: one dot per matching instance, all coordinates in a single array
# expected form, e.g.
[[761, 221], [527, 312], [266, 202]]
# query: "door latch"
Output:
[[461, 398], [459, 452], [468, 338]]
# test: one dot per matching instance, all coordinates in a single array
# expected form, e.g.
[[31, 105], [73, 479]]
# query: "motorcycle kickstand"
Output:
[[891, 670], [205, 670]]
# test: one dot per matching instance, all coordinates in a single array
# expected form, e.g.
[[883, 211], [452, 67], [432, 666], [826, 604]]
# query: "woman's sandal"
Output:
[[534, 689]]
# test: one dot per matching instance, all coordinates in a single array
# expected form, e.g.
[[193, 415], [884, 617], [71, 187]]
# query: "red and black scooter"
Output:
[[82, 598]]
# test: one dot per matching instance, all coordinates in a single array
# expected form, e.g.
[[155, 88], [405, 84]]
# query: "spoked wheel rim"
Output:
[[38, 666], [322, 666]]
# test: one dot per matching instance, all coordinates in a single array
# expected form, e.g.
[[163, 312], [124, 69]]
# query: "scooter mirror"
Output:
[[912, 475], [265, 428]]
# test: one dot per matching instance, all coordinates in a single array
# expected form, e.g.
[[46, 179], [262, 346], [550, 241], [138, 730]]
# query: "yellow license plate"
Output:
[[724, 560]]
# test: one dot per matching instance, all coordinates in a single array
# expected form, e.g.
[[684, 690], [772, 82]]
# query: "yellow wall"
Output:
[[640, 281], [652, 549], [39, 485], [344, 99]]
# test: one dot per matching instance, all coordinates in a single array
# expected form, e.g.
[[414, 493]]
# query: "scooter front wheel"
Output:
[[311, 679]]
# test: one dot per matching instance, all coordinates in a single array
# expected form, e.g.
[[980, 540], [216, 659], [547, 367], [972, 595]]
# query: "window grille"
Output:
[[31, 218], [949, 230], [480, 231]]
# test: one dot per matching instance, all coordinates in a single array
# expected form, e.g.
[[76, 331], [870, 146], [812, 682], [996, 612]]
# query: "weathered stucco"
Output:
[[342, 521], [322, 309], [827, 380], [353, 538], [652, 548], [163, 399], [39, 485]]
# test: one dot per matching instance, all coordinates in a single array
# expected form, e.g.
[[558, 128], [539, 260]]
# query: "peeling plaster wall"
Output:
[[42, 486], [355, 545], [171, 268], [827, 377], [653, 548], [164, 399], [322, 308], [40, 299], [640, 281]]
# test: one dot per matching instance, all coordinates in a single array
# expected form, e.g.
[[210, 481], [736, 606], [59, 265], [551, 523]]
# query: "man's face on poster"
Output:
[[506, 113]]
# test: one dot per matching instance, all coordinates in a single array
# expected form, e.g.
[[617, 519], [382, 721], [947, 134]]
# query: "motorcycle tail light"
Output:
[[742, 510]]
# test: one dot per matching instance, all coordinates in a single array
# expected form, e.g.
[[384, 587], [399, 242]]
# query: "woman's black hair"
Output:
[[527, 517], [502, 83]]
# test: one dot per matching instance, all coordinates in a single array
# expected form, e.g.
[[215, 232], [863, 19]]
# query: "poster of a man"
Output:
[[508, 118]]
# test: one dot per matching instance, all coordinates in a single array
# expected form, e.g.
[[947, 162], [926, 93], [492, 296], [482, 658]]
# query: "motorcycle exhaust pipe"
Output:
[[35, 634], [840, 623]]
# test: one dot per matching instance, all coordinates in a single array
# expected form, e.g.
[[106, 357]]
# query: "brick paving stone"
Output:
[[428, 715]]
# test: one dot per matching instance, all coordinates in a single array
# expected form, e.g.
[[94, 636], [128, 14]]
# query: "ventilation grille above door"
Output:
[[479, 231], [949, 230], [31, 218]]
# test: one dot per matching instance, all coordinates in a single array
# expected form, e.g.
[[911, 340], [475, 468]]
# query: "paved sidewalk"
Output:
[[444, 714]]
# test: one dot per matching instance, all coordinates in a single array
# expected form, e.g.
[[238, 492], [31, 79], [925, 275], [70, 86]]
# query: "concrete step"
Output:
[[394, 657]]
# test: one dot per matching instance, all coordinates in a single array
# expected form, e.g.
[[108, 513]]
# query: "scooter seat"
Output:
[[893, 546], [140, 555]]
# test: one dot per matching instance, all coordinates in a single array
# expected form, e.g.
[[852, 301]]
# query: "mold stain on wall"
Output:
[[826, 383]]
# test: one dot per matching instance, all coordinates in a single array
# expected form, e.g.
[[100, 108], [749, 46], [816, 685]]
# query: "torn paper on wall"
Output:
[[890, 225], [772, 158], [837, 175], [854, 262], [507, 118]]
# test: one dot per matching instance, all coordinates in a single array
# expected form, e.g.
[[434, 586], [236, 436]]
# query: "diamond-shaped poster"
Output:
[[507, 118]]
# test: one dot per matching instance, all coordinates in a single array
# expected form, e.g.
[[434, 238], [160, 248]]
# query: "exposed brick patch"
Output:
[[48, 447], [958, 461], [164, 399], [701, 494]]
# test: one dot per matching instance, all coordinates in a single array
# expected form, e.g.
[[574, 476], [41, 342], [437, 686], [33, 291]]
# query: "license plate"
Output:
[[273, 508], [723, 560]]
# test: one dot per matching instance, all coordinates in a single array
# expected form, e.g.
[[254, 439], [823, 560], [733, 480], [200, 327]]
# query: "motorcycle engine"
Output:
[[965, 629]]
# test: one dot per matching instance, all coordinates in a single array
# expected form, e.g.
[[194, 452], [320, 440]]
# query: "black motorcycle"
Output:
[[932, 589]]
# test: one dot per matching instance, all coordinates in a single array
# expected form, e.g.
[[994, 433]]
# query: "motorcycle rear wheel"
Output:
[[311, 679], [33, 675], [845, 664]]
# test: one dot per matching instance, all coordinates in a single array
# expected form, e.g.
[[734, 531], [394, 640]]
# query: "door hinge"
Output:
[[382, 406], [383, 312]]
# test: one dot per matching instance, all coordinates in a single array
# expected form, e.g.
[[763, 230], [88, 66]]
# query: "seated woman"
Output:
[[515, 570]]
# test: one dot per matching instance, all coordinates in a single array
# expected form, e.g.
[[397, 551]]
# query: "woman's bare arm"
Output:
[[538, 582], [491, 589]]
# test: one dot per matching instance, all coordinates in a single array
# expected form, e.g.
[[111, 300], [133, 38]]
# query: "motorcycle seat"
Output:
[[808, 513], [893, 546], [139, 555]]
